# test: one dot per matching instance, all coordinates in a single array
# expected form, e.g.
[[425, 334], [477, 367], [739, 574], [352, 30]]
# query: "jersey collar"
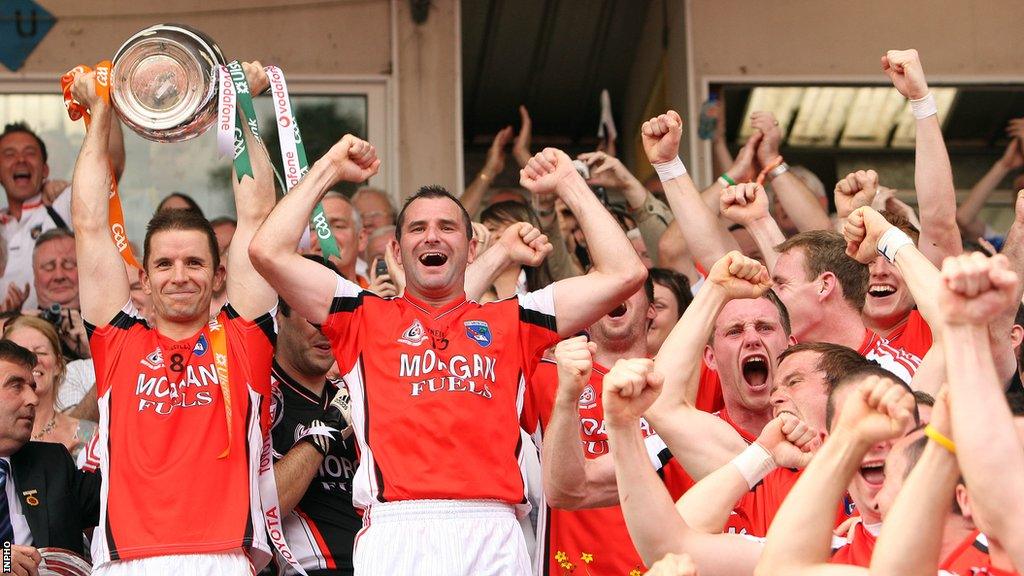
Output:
[[285, 378], [432, 311]]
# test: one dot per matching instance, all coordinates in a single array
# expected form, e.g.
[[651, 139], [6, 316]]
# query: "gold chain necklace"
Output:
[[46, 429]]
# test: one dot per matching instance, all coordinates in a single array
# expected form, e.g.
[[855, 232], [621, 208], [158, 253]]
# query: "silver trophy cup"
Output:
[[164, 82]]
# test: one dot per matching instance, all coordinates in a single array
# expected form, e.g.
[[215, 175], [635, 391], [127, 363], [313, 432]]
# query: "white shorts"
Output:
[[442, 538], [214, 564]]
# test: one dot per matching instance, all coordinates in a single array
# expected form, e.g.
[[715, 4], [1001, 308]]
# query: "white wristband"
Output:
[[924, 107], [754, 464], [668, 170], [891, 242]]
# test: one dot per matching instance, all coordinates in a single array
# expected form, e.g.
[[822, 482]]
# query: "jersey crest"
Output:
[[414, 335], [479, 332]]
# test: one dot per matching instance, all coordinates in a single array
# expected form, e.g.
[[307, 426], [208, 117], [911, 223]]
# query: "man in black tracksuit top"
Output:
[[313, 467]]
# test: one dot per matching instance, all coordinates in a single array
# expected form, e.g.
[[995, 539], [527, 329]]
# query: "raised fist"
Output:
[[768, 148], [740, 276], [673, 565], [661, 136], [525, 244], [550, 170], [975, 288], [862, 230], [856, 190], [630, 387], [352, 160], [575, 359], [789, 440], [83, 89], [744, 203], [878, 409], [256, 76], [1012, 158], [907, 75]]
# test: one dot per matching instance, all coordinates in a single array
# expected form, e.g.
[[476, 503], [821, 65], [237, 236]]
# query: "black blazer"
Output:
[[66, 500]]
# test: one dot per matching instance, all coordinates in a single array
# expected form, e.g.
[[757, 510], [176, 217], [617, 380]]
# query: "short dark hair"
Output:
[[53, 234], [854, 376], [167, 220], [282, 306], [912, 453], [676, 283], [1018, 319], [15, 354], [825, 251], [903, 223], [21, 127], [192, 204], [833, 359], [434, 191]]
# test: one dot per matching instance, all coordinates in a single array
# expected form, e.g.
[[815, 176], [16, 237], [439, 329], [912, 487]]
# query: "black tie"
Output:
[[6, 529]]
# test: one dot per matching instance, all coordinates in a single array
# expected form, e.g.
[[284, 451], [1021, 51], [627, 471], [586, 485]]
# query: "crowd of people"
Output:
[[538, 380]]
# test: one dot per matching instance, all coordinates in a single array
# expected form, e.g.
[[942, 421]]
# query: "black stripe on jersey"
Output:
[[349, 303], [265, 322], [980, 546], [111, 545], [537, 319], [664, 456], [248, 536], [366, 422]]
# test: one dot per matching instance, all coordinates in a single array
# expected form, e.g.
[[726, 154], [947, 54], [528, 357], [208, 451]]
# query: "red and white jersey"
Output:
[[166, 490], [709, 390], [896, 360], [857, 551], [437, 393], [971, 558], [598, 537], [912, 335]]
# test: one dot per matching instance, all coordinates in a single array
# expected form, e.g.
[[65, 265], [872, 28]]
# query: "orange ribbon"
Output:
[[77, 111], [771, 166], [219, 345]]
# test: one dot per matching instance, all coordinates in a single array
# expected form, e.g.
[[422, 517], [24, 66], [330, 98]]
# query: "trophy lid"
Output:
[[164, 82]]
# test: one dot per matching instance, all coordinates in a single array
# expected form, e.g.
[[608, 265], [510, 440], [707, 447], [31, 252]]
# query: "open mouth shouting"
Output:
[[433, 259], [21, 176], [619, 311], [881, 290], [873, 473], [755, 371]]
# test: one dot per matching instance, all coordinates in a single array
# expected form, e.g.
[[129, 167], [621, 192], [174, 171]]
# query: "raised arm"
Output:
[[102, 279], [974, 289], [911, 538], [790, 191], [571, 481], [521, 244], [876, 410], [933, 176], [248, 293], [617, 272], [307, 286], [701, 442], [654, 526], [747, 205], [967, 215], [785, 441], [473, 197], [856, 190], [700, 226]]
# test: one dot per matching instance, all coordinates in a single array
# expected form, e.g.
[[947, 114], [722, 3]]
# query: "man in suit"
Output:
[[47, 501]]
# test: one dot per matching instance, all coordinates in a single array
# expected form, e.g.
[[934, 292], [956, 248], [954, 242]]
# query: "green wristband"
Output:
[[725, 176]]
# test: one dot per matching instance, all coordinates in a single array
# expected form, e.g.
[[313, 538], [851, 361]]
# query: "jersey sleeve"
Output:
[[109, 341], [537, 326], [344, 320], [255, 339]]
